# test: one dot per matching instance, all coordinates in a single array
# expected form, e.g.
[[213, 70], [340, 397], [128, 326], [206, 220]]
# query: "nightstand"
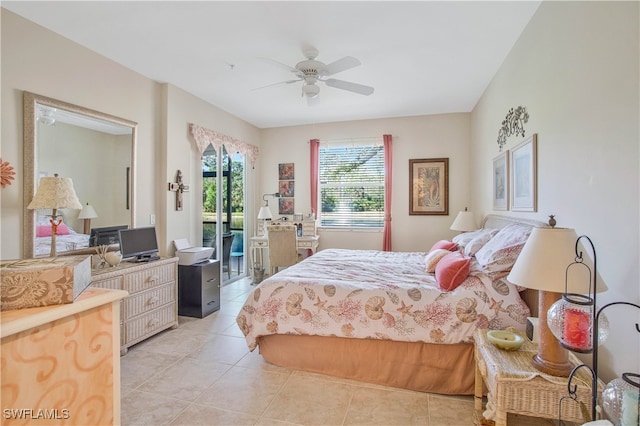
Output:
[[516, 386]]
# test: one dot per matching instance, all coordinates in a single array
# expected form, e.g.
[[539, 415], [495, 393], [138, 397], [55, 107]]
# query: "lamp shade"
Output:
[[55, 193], [542, 263], [464, 222], [87, 212], [265, 213]]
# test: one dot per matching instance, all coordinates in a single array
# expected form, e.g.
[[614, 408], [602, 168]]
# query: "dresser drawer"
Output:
[[114, 283], [143, 326], [144, 301], [143, 280]]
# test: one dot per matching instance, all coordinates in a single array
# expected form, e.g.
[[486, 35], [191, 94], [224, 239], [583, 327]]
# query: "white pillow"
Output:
[[479, 241], [501, 252], [466, 237]]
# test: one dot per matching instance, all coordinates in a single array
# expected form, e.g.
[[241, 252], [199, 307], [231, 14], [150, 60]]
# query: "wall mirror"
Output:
[[95, 150]]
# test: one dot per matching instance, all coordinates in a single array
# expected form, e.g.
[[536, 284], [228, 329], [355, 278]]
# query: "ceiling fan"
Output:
[[311, 72]]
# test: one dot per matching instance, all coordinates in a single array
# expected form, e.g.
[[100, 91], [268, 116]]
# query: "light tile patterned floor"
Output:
[[203, 374]]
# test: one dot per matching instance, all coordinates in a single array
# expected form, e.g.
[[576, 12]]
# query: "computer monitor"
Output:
[[106, 235]]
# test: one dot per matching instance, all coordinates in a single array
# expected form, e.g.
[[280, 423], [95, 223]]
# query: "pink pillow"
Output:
[[444, 244], [452, 270], [45, 230]]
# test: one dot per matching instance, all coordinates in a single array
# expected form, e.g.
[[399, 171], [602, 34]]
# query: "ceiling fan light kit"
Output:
[[311, 71]]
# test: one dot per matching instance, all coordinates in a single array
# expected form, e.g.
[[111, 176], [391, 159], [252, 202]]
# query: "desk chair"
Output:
[[283, 250], [227, 243], [237, 249]]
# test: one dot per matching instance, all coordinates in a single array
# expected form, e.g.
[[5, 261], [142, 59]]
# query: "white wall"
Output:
[[575, 68], [434, 136]]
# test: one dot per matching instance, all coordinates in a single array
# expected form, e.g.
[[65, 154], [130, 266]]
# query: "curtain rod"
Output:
[[378, 139]]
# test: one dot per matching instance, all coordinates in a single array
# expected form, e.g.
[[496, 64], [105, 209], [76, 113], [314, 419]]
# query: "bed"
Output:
[[66, 239], [380, 317]]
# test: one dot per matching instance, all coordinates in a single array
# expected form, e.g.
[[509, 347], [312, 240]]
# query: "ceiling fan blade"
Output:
[[347, 85], [281, 65], [277, 84], [340, 65]]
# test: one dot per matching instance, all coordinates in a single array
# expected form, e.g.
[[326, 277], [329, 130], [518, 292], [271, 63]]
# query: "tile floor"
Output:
[[203, 374]]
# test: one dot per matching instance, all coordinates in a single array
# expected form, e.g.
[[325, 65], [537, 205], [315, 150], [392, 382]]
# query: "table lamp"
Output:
[[87, 213], [542, 265], [265, 215], [55, 193], [464, 222]]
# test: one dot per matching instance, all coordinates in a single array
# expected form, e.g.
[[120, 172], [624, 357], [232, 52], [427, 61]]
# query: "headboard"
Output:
[[494, 221]]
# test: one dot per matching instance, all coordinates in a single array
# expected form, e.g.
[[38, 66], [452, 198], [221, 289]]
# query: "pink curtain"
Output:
[[386, 241], [314, 148]]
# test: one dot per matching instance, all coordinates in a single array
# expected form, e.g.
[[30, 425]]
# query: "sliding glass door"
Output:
[[231, 193]]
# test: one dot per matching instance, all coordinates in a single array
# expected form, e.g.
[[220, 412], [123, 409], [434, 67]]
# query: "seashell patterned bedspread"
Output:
[[370, 294]]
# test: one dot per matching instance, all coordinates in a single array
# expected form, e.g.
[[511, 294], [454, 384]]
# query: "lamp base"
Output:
[[551, 358], [552, 368]]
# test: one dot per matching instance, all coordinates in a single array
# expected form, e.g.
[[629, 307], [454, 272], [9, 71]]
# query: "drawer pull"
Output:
[[212, 279], [152, 300], [152, 279], [211, 303], [152, 322]]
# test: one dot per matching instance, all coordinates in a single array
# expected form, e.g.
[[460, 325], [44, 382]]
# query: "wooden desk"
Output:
[[261, 242], [61, 364]]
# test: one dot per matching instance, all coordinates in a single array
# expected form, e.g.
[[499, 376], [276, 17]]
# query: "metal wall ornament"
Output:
[[513, 124]]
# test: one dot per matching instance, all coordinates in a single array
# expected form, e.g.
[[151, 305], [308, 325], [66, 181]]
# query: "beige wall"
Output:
[[575, 68], [37, 60], [434, 136]]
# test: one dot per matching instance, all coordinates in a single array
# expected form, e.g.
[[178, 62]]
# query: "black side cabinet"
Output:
[[199, 288]]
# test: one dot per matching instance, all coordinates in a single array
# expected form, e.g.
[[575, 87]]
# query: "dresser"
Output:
[[199, 288], [60, 364], [152, 305]]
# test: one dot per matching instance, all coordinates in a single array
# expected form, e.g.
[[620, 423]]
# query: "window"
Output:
[[351, 185]]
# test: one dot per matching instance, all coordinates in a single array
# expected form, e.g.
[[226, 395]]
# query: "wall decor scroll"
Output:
[[429, 186], [513, 124]]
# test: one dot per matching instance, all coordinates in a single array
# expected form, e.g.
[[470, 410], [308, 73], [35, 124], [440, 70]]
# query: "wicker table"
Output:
[[516, 386]]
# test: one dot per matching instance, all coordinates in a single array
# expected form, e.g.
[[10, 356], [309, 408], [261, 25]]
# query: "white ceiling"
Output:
[[422, 57]]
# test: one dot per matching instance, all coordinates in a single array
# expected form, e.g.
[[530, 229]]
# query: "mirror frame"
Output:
[[30, 163]]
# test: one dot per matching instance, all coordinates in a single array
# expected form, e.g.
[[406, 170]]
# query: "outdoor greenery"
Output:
[[209, 185]]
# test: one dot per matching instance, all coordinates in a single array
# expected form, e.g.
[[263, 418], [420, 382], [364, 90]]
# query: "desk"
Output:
[[261, 242]]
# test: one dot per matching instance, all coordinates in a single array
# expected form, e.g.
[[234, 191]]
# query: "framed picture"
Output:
[[286, 171], [501, 181], [524, 176], [429, 186], [286, 188], [286, 206]]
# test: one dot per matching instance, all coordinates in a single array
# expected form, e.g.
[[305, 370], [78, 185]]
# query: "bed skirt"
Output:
[[426, 367]]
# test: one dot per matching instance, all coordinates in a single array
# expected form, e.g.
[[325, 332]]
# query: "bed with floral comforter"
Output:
[[369, 294]]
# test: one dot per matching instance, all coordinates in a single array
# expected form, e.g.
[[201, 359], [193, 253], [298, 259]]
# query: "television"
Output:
[[106, 235], [139, 244]]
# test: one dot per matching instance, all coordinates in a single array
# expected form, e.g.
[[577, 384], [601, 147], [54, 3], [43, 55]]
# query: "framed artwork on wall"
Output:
[[523, 172], [501, 181], [429, 186], [286, 171], [286, 188], [286, 206]]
